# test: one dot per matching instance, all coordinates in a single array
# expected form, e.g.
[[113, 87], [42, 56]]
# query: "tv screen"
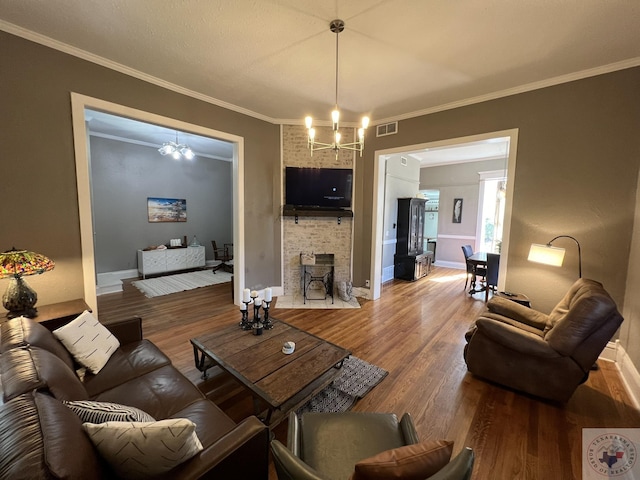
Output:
[[318, 187]]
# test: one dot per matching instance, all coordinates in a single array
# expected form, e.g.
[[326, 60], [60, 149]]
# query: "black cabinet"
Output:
[[409, 262]]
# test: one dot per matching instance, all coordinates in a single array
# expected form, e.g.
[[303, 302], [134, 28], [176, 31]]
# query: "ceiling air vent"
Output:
[[386, 129]]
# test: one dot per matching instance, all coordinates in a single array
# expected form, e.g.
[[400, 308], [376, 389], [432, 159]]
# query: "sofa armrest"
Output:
[[514, 338], [241, 453], [126, 331], [459, 468], [520, 313], [290, 467]]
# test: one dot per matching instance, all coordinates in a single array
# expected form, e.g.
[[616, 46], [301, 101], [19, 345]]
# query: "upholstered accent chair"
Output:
[[361, 446], [548, 356]]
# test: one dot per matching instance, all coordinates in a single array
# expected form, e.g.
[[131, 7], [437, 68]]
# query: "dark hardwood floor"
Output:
[[416, 332]]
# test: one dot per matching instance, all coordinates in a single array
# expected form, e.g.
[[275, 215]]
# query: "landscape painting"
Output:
[[167, 209]]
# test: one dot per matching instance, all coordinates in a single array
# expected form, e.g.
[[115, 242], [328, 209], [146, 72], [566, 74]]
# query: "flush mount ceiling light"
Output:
[[336, 27], [177, 150]]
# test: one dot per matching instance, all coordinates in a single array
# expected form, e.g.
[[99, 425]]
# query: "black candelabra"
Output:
[[257, 324]]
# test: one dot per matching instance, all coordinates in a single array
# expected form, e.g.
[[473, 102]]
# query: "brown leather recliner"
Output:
[[548, 356]]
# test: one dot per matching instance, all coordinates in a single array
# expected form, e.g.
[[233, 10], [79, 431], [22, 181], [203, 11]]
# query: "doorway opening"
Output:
[[380, 160], [81, 103]]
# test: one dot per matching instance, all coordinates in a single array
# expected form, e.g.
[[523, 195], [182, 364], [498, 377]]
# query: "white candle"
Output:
[[265, 304], [246, 295], [254, 294], [258, 302], [268, 294], [243, 306]]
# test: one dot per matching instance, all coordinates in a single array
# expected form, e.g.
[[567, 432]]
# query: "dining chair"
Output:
[[223, 256], [491, 277], [472, 269]]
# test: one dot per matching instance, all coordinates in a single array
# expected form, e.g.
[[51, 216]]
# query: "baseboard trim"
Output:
[[457, 265], [629, 373], [111, 282]]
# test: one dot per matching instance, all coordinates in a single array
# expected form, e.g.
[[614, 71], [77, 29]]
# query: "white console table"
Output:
[[170, 260]]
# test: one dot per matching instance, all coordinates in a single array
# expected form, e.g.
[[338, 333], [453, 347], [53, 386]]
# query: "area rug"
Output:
[[355, 380], [155, 287]]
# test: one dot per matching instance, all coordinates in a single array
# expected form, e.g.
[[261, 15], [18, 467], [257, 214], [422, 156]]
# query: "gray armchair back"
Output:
[[545, 355]]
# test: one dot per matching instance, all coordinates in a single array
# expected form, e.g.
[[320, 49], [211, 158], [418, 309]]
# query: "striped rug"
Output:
[[155, 287]]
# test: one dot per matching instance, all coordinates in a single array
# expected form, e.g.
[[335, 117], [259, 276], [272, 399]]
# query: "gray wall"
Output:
[[457, 181], [124, 175], [36, 115]]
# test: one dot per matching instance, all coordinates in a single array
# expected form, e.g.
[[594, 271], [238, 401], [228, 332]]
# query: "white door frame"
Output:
[[81, 102], [380, 160]]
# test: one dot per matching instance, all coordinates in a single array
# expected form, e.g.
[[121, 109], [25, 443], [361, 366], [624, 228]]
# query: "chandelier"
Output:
[[336, 27], [177, 150]]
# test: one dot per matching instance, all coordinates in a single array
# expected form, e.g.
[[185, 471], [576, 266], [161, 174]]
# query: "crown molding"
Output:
[[550, 82], [77, 52], [104, 62]]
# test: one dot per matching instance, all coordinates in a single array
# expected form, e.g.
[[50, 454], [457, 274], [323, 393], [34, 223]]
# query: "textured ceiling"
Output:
[[275, 59]]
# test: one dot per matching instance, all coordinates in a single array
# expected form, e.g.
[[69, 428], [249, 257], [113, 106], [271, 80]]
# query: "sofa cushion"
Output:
[[127, 363], [49, 443], [211, 422], [411, 462], [161, 393], [22, 331], [143, 450], [90, 342], [25, 369], [101, 412]]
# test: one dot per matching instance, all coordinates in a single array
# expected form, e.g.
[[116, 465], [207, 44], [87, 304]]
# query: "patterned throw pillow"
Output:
[[102, 412], [142, 450], [90, 342]]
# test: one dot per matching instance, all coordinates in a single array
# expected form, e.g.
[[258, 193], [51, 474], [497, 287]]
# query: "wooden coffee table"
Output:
[[282, 382]]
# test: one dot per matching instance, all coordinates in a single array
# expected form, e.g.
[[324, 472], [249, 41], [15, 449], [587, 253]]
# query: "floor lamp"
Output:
[[550, 255]]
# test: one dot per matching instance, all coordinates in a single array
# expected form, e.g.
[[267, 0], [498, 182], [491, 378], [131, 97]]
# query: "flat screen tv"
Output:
[[328, 188]]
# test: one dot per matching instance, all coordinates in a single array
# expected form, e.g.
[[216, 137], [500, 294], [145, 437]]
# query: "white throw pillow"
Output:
[[142, 450], [90, 342], [100, 412]]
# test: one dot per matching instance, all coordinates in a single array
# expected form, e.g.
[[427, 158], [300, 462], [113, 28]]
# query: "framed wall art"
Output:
[[166, 209], [457, 210]]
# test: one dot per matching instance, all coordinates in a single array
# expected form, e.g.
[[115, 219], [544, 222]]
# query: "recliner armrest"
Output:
[[518, 312], [459, 468], [126, 331], [290, 467], [514, 338]]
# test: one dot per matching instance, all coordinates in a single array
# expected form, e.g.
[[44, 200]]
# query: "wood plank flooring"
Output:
[[416, 332]]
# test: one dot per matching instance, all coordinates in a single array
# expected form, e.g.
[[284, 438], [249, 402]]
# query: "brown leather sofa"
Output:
[[40, 438], [548, 356]]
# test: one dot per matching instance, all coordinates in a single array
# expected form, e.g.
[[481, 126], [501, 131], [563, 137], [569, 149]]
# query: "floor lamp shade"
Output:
[[546, 254], [550, 255]]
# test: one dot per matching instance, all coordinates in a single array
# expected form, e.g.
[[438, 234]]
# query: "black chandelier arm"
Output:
[[579, 250]]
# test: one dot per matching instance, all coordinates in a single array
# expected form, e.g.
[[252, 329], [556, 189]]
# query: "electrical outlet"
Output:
[[367, 283]]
